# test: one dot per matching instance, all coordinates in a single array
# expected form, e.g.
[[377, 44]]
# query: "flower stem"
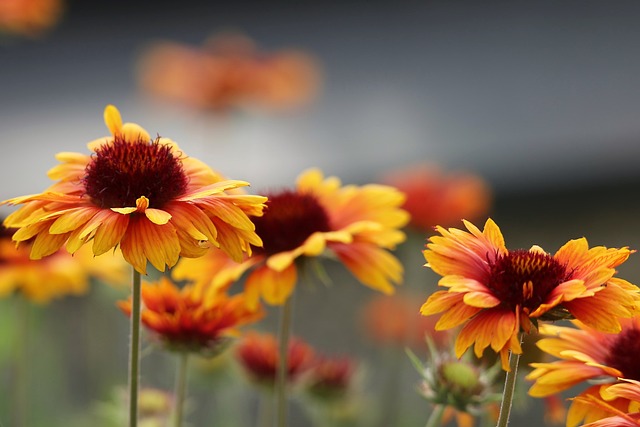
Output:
[[435, 419], [181, 388], [21, 379], [134, 350], [281, 372], [509, 388]]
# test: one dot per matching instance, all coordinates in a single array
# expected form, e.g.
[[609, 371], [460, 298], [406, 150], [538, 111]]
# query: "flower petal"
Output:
[[274, 286]]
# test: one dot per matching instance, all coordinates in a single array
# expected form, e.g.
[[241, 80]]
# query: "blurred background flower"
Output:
[[30, 18], [228, 73], [437, 197], [257, 353]]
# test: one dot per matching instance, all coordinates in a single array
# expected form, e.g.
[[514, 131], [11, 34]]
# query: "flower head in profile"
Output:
[[585, 355], [496, 293], [435, 197], [330, 378], [227, 73], [357, 225], [56, 276], [140, 194], [192, 319], [29, 18], [259, 357]]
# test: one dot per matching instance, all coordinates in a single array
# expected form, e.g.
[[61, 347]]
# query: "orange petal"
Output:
[[110, 233], [71, 220], [275, 287]]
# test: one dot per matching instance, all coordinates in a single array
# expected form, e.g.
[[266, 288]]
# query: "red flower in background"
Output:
[[258, 355], [438, 198]]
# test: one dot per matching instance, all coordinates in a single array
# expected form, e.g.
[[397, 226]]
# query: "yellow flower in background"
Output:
[[355, 224], [29, 17], [495, 293], [141, 194], [56, 276], [192, 319], [587, 354]]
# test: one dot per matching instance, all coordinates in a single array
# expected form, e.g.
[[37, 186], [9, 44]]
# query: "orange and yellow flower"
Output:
[[626, 389], [496, 293], [56, 276], [141, 194], [192, 319], [435, 197], [229, 73], [259, 356], [355, 224], [587, 354], [29, 17]]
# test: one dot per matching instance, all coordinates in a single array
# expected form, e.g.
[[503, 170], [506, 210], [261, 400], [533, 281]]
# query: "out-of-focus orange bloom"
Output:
[[192, 319], [228, 72], [29, 17], [59, 275], [396, 320], [438, 198], [258, 355]]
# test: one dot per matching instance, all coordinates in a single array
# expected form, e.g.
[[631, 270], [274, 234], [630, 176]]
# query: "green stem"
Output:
[[134, 350], [181, 388], [21, 378], [435, 419], [509, 388], [264, 411], [281, 372]]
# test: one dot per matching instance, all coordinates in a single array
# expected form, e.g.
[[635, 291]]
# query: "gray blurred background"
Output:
[[539, 98]]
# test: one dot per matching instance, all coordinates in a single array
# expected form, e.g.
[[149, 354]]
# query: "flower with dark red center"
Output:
[[496, 293], [355, 224], [586, 354], [259, 357], [291, 219], [191, 319], [141, 194]]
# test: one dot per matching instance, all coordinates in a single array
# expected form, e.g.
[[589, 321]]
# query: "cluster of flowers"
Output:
[[145, 198]]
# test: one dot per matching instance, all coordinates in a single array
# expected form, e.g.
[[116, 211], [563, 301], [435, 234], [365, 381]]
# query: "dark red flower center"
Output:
[[525, 278], [121, 172], [289, 219], [623, 354]]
